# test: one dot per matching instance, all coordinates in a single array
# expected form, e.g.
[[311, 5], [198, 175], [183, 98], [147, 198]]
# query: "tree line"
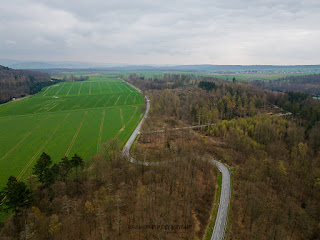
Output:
[[19, 83], [167, 80], [302, 106], [304, 83], [73, 78], [17, 196], [110, 198]]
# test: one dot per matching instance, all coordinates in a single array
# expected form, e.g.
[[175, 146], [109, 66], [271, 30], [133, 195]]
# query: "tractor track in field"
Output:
[[76, 134], [60, 89], [108, 101], [45, 92], [109, 88], [121, 117], [42, 147], [134, 100], [24, 138], [125, 102], [134, 113], [121, 90], [117, 101], [100, 87], [123, 123], [80, 88], [101, 130], [70, 89], [99, 100], [127, 87]]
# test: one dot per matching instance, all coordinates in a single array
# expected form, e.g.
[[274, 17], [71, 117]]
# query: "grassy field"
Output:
[[63, 119]]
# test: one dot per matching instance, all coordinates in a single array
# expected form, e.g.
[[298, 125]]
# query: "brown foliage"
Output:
[[124, 201], [16, 83]]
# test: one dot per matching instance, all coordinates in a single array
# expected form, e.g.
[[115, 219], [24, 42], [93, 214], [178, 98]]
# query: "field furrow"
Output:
[[41, 148], [132, 116], [121, 90], [80, 88], [101, 130], [117, 100], [135, 97], [22, 140], [125, 102], [126, 86], [45, 92], [70, 89], [109, 100], [59, 89], [75, 135], [109, 88], [99, 100], [121, 116], [100, 87]]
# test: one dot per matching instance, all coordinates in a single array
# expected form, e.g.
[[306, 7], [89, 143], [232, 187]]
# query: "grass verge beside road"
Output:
[[214, 209]]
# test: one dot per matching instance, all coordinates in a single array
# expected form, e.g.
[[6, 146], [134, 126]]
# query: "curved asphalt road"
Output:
[[136, 132], [222, 216]]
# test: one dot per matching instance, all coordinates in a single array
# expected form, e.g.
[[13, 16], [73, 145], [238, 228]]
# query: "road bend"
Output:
[[224, 204]]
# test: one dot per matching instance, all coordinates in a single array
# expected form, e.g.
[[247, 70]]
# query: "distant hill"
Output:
[[19, 83], [19, 64], [63, 66]]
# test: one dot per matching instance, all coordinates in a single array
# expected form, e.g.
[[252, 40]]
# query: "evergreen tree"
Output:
[[16, 195], [42, 166]]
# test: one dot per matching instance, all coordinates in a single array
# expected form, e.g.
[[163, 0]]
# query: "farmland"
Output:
[[64, 119]]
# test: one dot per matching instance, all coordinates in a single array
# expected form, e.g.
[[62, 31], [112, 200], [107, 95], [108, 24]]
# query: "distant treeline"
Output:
[[73, 78], [168, 81], [301, 105], [38, 87], [304, 83], [19, 83]]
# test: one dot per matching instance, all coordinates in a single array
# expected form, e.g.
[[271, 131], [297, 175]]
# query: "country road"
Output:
[[222, 216]]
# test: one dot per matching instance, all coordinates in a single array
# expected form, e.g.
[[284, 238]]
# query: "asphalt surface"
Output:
[[136, 132], [222, 215]]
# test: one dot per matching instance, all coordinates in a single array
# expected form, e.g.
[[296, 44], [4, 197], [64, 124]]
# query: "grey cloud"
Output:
[[162, 32]]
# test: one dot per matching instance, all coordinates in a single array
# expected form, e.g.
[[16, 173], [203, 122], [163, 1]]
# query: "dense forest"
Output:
[[110, 198], [301, 105], [275, 156], [302, 83], [19, 83], [167, 81]]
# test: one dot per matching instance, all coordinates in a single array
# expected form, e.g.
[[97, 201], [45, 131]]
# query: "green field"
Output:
[[63, 119]]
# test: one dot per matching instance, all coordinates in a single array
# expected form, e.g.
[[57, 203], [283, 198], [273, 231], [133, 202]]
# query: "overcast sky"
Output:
[[162, 32]]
